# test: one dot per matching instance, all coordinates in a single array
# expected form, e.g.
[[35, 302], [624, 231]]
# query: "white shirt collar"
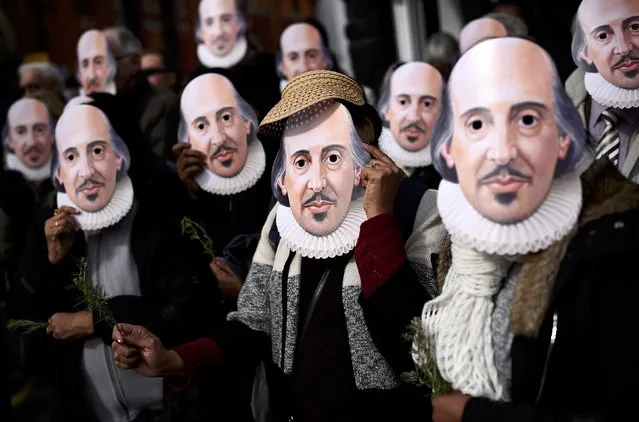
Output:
[[340, 242], [111, 214], [233, 57], [610, 95], [245, 179], [403, 158], [31, 174], [555, 217]]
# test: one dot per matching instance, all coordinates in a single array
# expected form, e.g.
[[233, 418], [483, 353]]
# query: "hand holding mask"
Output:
[[60, 231], [381, 178], [190, 162]]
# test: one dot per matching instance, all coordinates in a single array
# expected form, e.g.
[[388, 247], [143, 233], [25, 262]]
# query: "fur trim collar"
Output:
[[605, 192]]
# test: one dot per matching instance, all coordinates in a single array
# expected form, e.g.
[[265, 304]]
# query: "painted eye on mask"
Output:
[[300, 163]]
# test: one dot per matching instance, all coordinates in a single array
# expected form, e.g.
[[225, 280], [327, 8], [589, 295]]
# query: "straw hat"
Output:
[[311, 88]]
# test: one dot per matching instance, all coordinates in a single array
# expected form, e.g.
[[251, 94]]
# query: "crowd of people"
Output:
[[270, 242]]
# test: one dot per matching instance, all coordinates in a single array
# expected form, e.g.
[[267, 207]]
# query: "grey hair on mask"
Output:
[[360, 156], [119, 148], [578, 46], [324, 51], [6, 129], [515, 27], [122, 42], [384, 91], [239, 16], [566, 116], [246, 111]]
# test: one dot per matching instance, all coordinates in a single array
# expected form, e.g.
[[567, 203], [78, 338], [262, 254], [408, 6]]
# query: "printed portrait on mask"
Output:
[[507, 129], [220, 124], [96, 65], [411, 104], [220, 33], [301, 50], [318, 168], [91, 159], [606, 41], [29, 137]]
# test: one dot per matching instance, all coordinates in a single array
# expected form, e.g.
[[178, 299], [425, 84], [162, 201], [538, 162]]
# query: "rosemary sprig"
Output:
[[26, 326], [426, 370], [92, 296], [196, 232]]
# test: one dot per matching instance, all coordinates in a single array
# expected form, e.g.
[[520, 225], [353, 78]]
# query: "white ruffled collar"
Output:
[[112, 213], [245, 179], [110, 88], [340, 242], [550, 223], [233, 57], [32, 175], [608, 94], [399, 155]]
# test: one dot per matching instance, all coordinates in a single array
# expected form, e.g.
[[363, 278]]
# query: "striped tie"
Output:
[[609, 144]]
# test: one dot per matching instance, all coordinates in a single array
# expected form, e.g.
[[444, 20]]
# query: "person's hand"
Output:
[[381, 178], [449, 408], [70, 326], [60, 231], [229, 284], [136, 348], [189, 163]]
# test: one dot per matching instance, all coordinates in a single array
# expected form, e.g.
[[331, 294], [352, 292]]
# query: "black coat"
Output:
[[589, 367], [178, 296]]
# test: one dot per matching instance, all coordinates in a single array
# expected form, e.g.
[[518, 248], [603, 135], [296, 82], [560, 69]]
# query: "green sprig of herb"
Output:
[[26, 326], [426, 371], [196, 232], [92, 296]]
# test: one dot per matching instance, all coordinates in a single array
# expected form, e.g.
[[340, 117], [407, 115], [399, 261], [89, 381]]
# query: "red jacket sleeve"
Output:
[[379, 252]]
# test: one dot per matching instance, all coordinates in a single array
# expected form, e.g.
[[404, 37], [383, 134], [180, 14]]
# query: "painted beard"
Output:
[[90, 183], [319, 198], [415, 130], [225, 148]]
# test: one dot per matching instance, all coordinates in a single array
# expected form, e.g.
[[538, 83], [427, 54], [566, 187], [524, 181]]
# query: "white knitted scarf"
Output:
[[458, 322]]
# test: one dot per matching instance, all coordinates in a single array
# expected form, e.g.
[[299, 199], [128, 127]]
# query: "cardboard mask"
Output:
[[410, 105], [90, 168], [606, 45], [479, 30], [218, 122], [316, 174], [301, 50], [29, 139], [507, 136], [220, 33], [96, 65]]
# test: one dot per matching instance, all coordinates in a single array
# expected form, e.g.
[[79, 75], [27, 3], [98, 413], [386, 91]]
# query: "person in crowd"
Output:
[[40, 76], [28, 144], [478, 30], [222, 43], [222, 162], [155, 110], [442, 51], [538, 263], [158, 75], [605, 87], [96, 65], [301, 49], [409, 106], [343, 225], [515, 25]]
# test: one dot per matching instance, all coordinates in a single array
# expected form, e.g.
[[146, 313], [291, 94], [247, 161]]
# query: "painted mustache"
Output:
[[221, 38], [318, 197], [34, 148], [222, 149], [625, 61], [509, 171], [89, 183], [415, 126]]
